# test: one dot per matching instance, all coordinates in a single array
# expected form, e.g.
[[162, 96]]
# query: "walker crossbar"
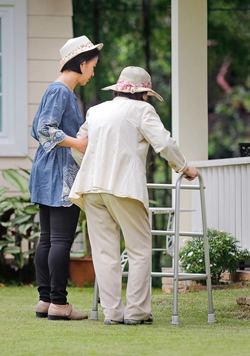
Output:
[[172, 233], [172, 186], [181, 276]]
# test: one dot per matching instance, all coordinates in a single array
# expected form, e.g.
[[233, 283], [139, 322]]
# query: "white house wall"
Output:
[[49, 26]]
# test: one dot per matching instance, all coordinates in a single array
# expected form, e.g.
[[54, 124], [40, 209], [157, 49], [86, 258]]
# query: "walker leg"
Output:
[[211, 318], [175, 320], [94, 313]]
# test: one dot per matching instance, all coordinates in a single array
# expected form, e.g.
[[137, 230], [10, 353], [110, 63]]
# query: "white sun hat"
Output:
[[134, 80], [75, 46]]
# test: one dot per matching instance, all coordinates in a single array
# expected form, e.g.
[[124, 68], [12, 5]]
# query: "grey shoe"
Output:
[[42, 309], [112, 322], [149, 321]]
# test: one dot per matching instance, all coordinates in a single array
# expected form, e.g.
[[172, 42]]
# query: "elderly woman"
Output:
[[111, 188], [55, 125]]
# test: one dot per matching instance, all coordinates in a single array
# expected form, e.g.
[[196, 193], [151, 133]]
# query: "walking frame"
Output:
[[172, 248]]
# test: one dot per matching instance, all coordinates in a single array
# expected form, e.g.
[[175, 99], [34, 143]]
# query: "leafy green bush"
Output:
[[225, 254], [17, 222]]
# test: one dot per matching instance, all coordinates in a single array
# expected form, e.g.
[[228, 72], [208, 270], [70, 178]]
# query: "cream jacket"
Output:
[[119, 133]]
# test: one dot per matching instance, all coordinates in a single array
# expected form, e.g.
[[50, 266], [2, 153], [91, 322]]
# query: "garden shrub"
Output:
[[225, 254]]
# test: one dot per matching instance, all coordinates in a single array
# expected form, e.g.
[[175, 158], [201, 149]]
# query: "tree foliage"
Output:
[[138, 32], [134, 33], [228, 76]]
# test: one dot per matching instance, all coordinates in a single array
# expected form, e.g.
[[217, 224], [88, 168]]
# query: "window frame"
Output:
[[14, 134]]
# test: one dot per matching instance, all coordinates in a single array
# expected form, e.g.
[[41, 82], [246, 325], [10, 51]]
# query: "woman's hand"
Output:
[[81, 144], [191, 173]]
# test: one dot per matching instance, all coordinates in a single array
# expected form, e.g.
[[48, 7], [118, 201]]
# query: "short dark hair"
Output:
[[74, 63], [135, 96]]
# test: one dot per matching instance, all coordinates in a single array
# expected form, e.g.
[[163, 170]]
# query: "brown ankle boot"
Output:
[[42, 309], [64, 312]]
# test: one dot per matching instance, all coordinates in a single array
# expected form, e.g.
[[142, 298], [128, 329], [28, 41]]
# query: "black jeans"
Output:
[[52, 256]]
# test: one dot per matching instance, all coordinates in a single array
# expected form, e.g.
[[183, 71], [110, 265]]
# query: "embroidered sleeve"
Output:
[[48, 131]]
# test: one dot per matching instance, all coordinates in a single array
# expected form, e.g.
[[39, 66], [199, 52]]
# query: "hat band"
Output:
[[76, 51], [122, 85]]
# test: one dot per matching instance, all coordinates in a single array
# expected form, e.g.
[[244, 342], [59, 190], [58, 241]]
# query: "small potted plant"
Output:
[[81, 269]]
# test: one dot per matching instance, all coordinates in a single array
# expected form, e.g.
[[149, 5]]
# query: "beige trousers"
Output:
[[106, 214]]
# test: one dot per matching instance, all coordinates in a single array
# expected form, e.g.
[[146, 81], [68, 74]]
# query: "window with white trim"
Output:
[[13, 79]]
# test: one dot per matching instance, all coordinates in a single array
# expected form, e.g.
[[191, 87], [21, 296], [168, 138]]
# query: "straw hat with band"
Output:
[[134, 80], [75, 46]]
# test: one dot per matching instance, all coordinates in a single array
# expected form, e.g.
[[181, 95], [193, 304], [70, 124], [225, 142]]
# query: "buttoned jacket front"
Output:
[[119, 134]]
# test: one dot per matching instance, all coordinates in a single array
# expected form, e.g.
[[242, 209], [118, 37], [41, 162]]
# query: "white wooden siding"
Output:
[[227, 195], [49, 25]]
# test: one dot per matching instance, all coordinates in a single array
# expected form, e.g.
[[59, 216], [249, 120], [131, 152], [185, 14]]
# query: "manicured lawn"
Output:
[[23, 334]]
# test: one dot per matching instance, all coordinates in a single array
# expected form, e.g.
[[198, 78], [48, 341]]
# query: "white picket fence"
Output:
[[227, 195]]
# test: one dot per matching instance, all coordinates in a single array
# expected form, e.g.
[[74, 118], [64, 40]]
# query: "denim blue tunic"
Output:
[[54, 169]]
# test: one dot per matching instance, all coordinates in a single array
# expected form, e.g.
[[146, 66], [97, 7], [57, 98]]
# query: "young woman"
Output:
[[55, 125], [111, 187]]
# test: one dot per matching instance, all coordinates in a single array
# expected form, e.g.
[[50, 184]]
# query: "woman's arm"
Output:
[[162, 142], [79, 144], [81, 135]]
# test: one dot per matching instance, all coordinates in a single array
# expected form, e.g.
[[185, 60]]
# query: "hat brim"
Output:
[[98, 46], [138, 90]]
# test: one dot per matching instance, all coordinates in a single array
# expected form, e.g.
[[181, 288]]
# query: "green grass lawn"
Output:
[[21, 333]]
